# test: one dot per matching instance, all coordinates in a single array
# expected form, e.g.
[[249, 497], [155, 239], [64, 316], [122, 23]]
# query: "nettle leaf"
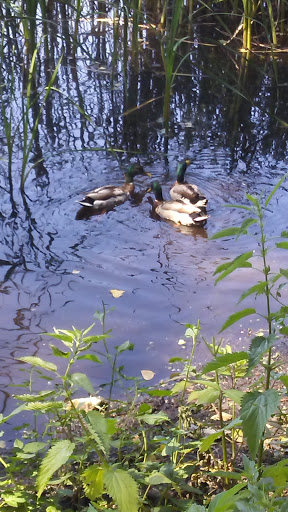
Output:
[[237, 316], [42, 395], [239, 262], [258, 347], [93, 481], [122, 488], [258, 289], [155, 418], [234, 394], [225, 501], [80, 380], [55, 458], [101, 429], [279, 473], [43, 406], [37, 361], [256, 409], [224, 361], [204, 396]]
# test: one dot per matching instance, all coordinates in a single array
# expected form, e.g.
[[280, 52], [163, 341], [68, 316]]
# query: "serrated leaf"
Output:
[[234, 394], [225, 232], [43, 406], [229, 267], [122, 488], [237, 316], [37, 361], [256, 409], [258, 347], [42, 395], [204, 396], [102, 429], [154, 419], [90, 357], [55, 458], [80, 380], [282, 245], [258, 289], [224, 361], [59, 353], [93, 481]]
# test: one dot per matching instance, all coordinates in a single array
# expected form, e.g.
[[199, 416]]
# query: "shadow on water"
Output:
[[58, 262]]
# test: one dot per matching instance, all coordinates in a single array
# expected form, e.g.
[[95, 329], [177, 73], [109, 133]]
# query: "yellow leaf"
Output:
[[181, 342], [147, 374], [75, 271], [117, 293]]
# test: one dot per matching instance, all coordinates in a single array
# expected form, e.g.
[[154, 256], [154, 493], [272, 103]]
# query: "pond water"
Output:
[[56, 269]]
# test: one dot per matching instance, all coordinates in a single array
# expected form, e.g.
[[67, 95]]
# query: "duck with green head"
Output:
[[186, 192], [187, 214], [105, 198]]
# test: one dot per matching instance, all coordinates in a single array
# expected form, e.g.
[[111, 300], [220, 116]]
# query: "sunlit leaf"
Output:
[[157, 478], [93, 481], [234, 394], [55, 458], [59, 353], [41, 396], [225, 501], [37, 361], [279, 473], [122, 488], [237, 316], [225, 233], [258, 289], [224, 360], [256, 409], [43, 406], [147, 374], [102, 429], [282, 245], [117, 293], [204, 396], [90, 357], [80, 380]]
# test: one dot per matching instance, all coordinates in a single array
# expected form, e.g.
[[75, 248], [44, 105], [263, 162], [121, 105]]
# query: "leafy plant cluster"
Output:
[[214, 442]]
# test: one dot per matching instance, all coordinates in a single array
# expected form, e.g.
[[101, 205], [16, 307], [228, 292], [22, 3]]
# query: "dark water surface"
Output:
[[57, 270]]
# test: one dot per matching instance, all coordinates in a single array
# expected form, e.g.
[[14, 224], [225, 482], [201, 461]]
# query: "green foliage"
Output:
[[55, 458]]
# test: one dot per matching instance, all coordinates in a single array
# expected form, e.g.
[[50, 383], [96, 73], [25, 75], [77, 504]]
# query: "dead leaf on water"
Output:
[[117, 293], [181, 342], [75, 271], [147, 374]]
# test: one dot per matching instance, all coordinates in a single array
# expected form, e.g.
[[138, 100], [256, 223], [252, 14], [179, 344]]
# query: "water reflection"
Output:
[[55, 270]]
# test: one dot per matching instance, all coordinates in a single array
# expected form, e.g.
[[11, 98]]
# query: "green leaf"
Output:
[[80, 380], [275, 189], [224, 361], [282, 245], [43, 406], [95, 339], [237, 316], [122, 488], [209, 440], [41, 396], [154, 419], [125, 346], [55, 458], [256, 409], [204, 396], [156, 392], [33, 447], [225, 501], [226, 232], [157, 478], [253, 199], [66, 338], [195, 508], [90, 357], [229, 267], [284, 234], [208, 383], [59, 353], [234, 394], [284, 272], [284, 379], [101, 429], [258, 347], [36, 361], [279, 473], [258, 289], [93, 481]]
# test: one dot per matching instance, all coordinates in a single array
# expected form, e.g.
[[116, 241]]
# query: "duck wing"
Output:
[[185, 191], [180, 207]]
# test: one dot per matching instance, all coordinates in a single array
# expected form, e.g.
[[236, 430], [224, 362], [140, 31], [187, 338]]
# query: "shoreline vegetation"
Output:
[[213, 439]]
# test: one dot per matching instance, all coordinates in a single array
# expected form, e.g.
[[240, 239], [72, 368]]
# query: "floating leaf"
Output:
[[117, 293], [55, 458], [237, 316], [256, 409], [147, 374], [75, 271]]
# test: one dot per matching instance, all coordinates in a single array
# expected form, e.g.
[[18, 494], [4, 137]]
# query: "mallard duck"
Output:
[[103, 199], [184, 191], [187, 214]]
